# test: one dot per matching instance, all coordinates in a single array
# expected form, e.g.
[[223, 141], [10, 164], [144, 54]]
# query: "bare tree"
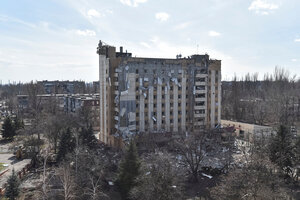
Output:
[[160, 179], [255, 179], [191, 150], [66, 178], [94, 191]]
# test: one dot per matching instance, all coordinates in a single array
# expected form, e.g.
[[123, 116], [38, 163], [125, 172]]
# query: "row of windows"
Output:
[[178, 79], [162, 88], [163, 96], [162, 113], [162, 122], [162, 105], [154, 71], [201, 103]]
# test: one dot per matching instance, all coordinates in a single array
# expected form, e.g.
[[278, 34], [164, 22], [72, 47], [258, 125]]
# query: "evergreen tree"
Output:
[[8, 130], [281, 149], [18, 123], [66, 145], [129, 170], [87, 137], [296, 152], [12, 189]]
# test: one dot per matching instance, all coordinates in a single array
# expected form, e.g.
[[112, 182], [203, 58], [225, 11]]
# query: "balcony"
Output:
[[200, 83], [201, 75]]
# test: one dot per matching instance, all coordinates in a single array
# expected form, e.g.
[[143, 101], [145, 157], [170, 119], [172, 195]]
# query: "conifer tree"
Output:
[[12, 189], [18, 123], [129, 170], [88, 138], [281, 149], [66, 145], [8, 130]]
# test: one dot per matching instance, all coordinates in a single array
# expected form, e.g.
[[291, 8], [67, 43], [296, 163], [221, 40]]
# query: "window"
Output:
[[179, 96], [145, 70], [171, 112], [179, 80], [200, 120], [163, 113], [154, 71], [137, 105], [171, 104], [203, 71], [179, 112], [154, 96], [179, 120], [137, 114], [136, 88], [136, 97], [154, 105], [137, 80], [171, 121], [163, 105], [199, 111], [163, 96], [201, 103], [179, 104], [136, 71], [146, 105], [116, 88], [200, 79], [171, 88], [200, 95], [201, 87]]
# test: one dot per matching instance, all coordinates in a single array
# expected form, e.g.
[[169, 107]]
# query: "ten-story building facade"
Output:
[[156, 95]]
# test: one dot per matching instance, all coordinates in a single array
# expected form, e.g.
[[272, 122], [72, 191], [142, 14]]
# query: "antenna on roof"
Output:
[[197, 48]]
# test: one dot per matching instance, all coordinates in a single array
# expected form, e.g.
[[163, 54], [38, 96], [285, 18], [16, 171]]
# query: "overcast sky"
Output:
[[57, 39]]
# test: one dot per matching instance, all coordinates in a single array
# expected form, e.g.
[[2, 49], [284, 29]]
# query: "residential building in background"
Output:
[[87, 104], [62, 87], [148, 95]]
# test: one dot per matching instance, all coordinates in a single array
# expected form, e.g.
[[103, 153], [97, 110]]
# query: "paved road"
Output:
[[13, 163]]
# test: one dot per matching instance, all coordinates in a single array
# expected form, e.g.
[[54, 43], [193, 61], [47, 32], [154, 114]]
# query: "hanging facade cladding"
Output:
[[156, 95]]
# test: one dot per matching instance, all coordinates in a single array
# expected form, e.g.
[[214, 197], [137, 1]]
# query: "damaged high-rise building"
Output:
[[156, 95]]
